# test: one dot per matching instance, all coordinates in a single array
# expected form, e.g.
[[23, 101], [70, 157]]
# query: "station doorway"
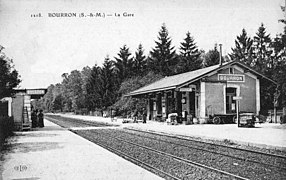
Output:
[[230, 102], [192, 103]]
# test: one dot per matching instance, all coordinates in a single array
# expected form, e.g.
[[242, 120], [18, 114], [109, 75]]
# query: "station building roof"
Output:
[[179, 80]]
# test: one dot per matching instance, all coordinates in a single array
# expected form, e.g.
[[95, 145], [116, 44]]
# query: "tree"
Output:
[[57, 97], [66, 92], [108, 88], [262, 61], [75, 83], [140, 62], [125, 105], [243, 50], [72, 90], [163, 56], [93, 88], [189, 55], [123, 64], [211, 58], [279, 56], [38, 104], [85, 74], [9, 77], [58, 103], [48, 99]]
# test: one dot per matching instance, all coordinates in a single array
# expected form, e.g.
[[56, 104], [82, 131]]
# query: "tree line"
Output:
[[100, 88]]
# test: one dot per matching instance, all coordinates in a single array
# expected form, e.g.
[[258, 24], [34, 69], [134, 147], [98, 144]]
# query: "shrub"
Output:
[[6, 129], [283, 119]]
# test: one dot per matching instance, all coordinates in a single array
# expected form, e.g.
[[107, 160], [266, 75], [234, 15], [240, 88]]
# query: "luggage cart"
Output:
[[223, 118], [246, 120]]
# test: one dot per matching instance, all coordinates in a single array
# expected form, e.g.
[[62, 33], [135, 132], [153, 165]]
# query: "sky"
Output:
[[43, 48]]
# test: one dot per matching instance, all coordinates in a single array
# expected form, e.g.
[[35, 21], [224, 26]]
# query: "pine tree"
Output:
[[123, 64], [279, 56], [262, 51], [243, 50], [93, 88], [189, 55], [85, 74], [108, 88], [140, 63], [211, 58], [162, 57], [263, 63]]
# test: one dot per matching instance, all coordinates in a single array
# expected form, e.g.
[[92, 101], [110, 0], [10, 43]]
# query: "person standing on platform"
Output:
[[41, 118], [144, 115], [135, 116], [34, 119]]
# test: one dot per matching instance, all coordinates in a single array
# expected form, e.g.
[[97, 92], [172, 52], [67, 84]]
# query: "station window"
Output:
[[231, 71]]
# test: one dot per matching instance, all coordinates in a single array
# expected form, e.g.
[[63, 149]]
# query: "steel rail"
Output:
[[181, 159], [134, 159], [210, 151], [220, 145], [80, 121], [126, 155]]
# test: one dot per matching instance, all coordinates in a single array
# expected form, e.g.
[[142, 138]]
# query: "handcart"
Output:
[[223, 118], [172, 119], [246, 120]]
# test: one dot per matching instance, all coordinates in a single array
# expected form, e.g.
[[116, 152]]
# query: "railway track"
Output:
[[114, 143], [224, 163], [174, 157], [137, 161], [71, 122], [209, 143], [266, 159]]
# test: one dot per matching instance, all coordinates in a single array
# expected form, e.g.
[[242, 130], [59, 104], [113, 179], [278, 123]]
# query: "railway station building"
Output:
[[204, 92], [19, 106]]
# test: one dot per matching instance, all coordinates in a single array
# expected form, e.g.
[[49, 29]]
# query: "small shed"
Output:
[[19, 106]]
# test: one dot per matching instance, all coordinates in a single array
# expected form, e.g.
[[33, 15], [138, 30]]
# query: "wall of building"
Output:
[[214, 98], [17, 111], [246, 89], [27, 104], [248, 94]]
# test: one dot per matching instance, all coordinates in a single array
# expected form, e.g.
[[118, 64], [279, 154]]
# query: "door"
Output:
[[230, 102], [192, 102]]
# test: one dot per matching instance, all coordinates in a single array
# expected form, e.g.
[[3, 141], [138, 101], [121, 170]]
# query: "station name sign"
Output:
[[231, 77], [191, 88], [35, 91]]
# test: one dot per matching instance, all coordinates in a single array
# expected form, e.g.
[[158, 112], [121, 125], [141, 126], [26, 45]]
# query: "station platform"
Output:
[[53, 152], [265, 135]]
